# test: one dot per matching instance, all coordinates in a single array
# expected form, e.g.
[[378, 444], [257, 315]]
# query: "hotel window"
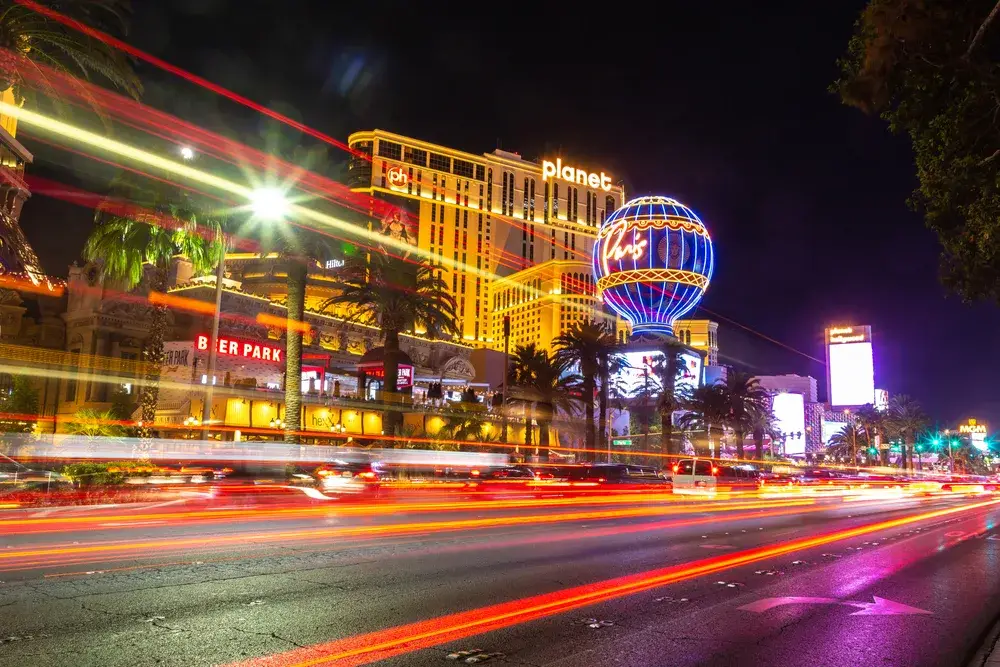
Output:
[[441, 216], [390, 150], [480, 223], [444, 186], [555, 201], [465, 219], [415, 156], [409, 183], [463, 168], [440, 162], [531, 200], [524, 211], [465, 240], [503, 195], [553, 244], [572, 242], [480, 172], [71, 382], [545, 203], [589, 197], [420, 178], [609, 206], [510, 196], [489, 191], [466, 202], [480, 196], [433, 219]]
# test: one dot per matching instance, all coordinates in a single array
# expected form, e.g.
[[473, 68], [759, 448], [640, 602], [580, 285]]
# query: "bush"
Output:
[[104, 474]]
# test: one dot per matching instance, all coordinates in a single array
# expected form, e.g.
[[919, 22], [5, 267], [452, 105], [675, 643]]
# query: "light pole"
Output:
[[267, 204], [506, 370]]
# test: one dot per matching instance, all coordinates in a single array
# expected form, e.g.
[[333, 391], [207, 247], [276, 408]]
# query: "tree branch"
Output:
[[982, 30], [996, 154]]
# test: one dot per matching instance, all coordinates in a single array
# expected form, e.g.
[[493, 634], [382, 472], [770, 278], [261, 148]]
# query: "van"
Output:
[[707, 476]]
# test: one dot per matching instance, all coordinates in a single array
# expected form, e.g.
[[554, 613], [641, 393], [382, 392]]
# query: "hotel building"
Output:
[[510, 236]]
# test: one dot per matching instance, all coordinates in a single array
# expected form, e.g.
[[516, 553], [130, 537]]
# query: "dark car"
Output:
[[610, 474]]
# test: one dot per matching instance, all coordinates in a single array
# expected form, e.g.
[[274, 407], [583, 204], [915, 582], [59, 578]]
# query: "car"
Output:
[[616, 474], [693, 475], [343, 478]]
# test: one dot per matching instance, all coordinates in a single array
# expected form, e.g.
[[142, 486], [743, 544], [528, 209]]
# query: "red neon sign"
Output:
[[247, 349], [405, 378]]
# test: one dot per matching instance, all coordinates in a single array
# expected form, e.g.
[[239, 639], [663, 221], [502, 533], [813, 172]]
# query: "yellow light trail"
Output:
[[102, 143]]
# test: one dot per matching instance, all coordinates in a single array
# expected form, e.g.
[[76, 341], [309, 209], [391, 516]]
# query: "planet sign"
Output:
[[653, 261]]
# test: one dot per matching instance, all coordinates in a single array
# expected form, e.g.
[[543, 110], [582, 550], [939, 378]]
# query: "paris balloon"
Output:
[[653, 261]]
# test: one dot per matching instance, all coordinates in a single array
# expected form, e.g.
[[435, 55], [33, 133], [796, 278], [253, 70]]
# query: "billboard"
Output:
[[790, 420], [637, 376], [850, 366]]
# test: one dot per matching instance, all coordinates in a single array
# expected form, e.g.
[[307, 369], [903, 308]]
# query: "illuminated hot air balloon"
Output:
[[653, 261]]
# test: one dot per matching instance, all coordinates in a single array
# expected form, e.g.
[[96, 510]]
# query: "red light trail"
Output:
[[370, 647]]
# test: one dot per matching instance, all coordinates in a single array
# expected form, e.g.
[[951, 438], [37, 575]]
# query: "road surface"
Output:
[[894, 581]]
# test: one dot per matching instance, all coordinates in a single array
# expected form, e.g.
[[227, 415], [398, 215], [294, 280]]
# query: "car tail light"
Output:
[[366, 475], [676, 467], [323, 473], [474, 473], [600, 479], [715, 471]]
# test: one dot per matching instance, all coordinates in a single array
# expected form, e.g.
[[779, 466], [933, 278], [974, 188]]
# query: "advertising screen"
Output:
[[851, 366], [638, 374], [790, 420], [852, 374]]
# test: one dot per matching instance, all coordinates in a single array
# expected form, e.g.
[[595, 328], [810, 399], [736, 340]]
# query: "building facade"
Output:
[[701, 335], [495, 227]]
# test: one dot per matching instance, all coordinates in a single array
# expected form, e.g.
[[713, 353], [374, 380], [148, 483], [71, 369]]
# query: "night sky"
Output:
[[721, 105]]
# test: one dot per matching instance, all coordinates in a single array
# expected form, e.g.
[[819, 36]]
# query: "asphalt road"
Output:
[[170, 586]]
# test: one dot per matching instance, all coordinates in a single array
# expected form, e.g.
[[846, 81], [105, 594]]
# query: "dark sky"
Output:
[[723, 105]]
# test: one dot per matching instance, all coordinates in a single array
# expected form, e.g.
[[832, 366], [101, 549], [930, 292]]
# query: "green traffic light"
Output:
[[936, 441]]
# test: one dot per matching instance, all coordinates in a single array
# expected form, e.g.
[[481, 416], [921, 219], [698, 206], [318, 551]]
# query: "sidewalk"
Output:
[[988, 654]]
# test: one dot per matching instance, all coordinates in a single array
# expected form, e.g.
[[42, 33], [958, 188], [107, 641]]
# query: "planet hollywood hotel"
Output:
[[510, 237]]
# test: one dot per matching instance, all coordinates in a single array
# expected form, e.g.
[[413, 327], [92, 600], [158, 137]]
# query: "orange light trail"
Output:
[[59, 524], [61, 555], [370, 647]]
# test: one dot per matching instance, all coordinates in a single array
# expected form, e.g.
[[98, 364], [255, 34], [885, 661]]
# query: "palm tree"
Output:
[[746, 399], [125, 245], [872, 421], [396, 296], [668, 367], [525, 364], [96, 424], [762, 423], [707, 409], [45, 41], [588, 345], [905, 419], [848, 442], [543, 382]]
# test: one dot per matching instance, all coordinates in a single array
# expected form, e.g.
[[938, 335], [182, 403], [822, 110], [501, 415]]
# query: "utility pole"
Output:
[[506, 370], [213, 347]]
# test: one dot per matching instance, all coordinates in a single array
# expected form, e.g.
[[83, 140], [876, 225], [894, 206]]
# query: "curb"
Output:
[[987, 655]]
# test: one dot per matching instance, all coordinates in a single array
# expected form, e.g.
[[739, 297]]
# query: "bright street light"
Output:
[[187, 153], [268, 203]]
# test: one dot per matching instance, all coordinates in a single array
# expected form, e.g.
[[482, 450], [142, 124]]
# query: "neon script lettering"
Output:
[[616, 249], [564, 172]]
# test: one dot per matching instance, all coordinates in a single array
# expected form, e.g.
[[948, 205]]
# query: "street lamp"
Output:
[[269, 204], [187, 153]]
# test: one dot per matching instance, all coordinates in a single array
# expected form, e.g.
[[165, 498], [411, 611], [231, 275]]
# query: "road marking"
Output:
[[878, 607], [716, 546], [129, 523]]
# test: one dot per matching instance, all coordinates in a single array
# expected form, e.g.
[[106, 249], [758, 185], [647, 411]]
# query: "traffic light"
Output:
[[873, 451], [936, 441]]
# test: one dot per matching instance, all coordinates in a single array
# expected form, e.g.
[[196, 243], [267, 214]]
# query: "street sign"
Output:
[[878, 606], [621, 442]]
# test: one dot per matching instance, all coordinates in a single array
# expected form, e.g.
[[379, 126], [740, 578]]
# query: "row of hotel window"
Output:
[[592, 215]]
